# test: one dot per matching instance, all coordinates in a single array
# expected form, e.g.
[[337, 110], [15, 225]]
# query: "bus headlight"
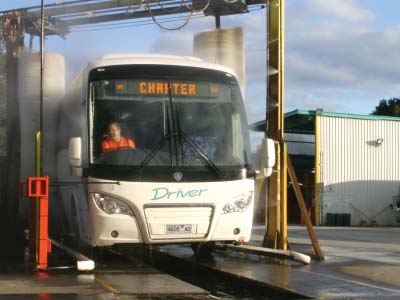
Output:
[[111, 205], [239, 204]]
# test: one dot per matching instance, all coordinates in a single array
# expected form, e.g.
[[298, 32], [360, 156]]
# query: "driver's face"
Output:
[[114, 132]]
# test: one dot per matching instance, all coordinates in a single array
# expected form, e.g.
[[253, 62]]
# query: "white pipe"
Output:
[[285, 254], [83, 263]]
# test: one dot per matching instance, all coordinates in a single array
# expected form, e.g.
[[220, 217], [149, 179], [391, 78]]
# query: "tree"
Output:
[[389, 107]]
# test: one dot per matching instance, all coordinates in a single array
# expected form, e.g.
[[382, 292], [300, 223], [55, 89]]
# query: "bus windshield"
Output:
[[173, 121]]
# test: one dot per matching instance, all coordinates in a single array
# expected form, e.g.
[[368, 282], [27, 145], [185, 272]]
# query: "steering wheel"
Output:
[[126, 156], [120, 156]]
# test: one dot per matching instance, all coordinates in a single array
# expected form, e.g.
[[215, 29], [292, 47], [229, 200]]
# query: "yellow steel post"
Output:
[[37, 154], [283, 160], [317, 179], [38, 174], [283, 236], [275, 128]]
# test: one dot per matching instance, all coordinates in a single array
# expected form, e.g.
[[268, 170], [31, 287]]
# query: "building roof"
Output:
[[301, 120], [340, 115]]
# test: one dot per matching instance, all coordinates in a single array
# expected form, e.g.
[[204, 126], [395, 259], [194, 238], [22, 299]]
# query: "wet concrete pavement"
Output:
[[126, 280], [346, 244], [361, 263]]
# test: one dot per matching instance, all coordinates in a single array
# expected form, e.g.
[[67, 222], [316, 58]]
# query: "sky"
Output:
[[340, 55]]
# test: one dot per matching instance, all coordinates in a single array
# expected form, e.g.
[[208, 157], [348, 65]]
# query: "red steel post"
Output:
[[38, 191]]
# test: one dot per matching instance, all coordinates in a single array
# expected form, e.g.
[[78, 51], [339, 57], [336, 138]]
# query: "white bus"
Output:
[[183, 173]]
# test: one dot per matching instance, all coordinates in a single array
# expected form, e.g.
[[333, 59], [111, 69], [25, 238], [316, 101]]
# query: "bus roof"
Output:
[[156, 59]]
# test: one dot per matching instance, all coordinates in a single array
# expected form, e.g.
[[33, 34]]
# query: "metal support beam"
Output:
[[67, 9], [124, 16], [217, 21], [42, 32], [304, 211], [13, 31], [60, 17], [283, 237], [317, 183], [274, 127]]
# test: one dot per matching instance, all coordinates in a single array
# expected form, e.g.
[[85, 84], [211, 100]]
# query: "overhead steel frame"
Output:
[[59, 18], [276, 202]]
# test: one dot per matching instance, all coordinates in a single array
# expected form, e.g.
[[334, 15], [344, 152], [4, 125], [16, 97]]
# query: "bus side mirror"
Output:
[[75, 152], [267, 157]]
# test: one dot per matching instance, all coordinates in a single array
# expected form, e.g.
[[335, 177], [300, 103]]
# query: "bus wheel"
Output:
[[203, 250]]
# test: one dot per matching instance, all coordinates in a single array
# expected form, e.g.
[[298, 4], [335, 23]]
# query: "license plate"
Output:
[[173, 229]]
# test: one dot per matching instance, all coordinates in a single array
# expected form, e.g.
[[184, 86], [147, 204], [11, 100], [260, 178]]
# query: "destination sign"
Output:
[[161, 88]]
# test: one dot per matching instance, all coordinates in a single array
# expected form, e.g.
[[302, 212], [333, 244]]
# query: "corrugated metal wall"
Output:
[[359, 176]]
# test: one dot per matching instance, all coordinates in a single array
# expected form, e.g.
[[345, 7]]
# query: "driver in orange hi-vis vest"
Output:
[[115, 141]]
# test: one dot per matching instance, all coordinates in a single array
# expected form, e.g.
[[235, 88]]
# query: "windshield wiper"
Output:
[[166, 138], [199, 151], [153, 153], [174, 126], [178, 134]]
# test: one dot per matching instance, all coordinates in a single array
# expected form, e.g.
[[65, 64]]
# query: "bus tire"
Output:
[[203, 249]]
